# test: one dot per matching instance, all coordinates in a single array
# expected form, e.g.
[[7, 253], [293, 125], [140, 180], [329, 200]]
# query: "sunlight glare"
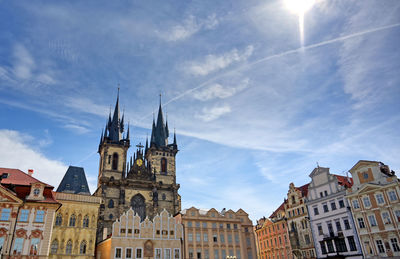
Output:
[[299, 6]]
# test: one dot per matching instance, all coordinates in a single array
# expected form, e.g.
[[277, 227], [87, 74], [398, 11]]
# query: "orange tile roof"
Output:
[[17, 177], [344, 180], [303, 189]]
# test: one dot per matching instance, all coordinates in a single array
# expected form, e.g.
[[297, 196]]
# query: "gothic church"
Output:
[[146, 182]]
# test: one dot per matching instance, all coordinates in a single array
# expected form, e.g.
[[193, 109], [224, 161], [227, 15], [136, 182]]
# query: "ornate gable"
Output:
[[6, 196]]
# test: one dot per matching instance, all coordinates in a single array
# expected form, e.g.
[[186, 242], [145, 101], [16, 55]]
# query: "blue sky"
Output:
[[253, 109]]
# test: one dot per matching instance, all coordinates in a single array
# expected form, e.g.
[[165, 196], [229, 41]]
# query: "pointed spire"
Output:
[[127, 134], [101, 138], [115, 127], [147, 145], [166, 125], [159, 135], [175, 137]]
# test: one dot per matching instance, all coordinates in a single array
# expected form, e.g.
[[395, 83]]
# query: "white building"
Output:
[[332, 224]]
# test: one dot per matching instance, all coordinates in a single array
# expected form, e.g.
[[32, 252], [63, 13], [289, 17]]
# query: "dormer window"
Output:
[[36, 192]]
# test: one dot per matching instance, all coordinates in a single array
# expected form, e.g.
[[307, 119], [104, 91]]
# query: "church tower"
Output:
[[146, 182]]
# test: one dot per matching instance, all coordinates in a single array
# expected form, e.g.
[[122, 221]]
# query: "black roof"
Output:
[[74, 181]]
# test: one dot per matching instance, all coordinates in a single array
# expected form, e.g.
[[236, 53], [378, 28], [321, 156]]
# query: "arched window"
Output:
[[111, 204], [115, 162], [85, 222], [58, 220], [54, 247], [72, 220], [68, 248], [82, 249], [139, 206], [164, 197], [163, 165]]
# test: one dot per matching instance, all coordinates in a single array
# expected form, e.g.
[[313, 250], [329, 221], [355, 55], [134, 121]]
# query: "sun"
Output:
[[299, 6]]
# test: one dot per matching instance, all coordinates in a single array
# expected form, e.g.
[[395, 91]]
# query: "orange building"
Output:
[[272, 236]]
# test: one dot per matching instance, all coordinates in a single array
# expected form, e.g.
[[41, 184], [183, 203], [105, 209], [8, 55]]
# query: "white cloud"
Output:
[[86, 105], [210, 114], [219, 91], [77, 128], [190, 26], [24, 63], [16, 152], [213, 63]]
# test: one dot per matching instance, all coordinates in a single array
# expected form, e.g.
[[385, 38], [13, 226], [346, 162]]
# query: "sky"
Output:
[[255, 107]]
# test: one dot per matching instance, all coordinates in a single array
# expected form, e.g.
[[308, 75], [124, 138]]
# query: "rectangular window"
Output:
[[221, 225], [167, 253], [39, 216], [157, 253], [249, 254], [189, 224], [1, 243], [5, 214], [386, 217], [23, 216], [235, 226], [323, 247], [214, 225], [352, 243], [128, 253], [206, 254], [395, 245], [237, 238], [320, 231], [330, 246], [190, 237], [215, 238], [380, 246], [340, 245], [361, 223], [190, 253], [197, 224], [392, 196], [238, 254], [372, 220], [18, 244], [307, 239], [325, 206], [205, 237], [34, 249], [397, 215], [198, 237], [228, 226], [177, 253], [356, 205], [341, 203], [379, 198], [316, 211], [118, 252], [229, 238], [248, 241], [338, 226], [330, 228], [204, 224], [333, 205], [216, 254], [223, 253], [367, 202], [346, 223], [222, 238], [198, 254]]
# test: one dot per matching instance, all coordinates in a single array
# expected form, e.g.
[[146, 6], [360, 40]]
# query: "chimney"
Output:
[[30, 172]]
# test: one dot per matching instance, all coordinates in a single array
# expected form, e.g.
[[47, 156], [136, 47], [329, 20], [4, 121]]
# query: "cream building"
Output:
[[216, 235], [374, 199], [27, 208], [133, 238], [75, 224]]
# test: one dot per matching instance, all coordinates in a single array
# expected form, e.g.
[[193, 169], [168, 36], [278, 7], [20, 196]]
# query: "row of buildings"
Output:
[[336, 216], [135, 212]]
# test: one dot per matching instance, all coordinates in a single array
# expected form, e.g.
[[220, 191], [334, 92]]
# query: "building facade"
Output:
[[216, 235], [26, 218], [75, 223], [279, 235], [146, 182], [298, 222], [332, 224], [374, 199], [131, 237]]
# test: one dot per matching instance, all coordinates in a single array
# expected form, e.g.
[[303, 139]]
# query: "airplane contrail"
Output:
[[282, 54]]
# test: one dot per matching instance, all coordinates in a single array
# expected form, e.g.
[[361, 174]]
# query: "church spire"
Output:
[[159, 136], [115, 126]]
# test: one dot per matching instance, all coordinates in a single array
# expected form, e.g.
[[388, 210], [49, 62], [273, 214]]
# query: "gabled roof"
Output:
[[17, 177], [74, 181], [361, 163]]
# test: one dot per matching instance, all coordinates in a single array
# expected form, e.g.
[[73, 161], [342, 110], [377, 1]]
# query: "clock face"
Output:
[[139, 162]]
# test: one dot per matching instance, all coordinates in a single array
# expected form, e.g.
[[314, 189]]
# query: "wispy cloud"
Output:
[[219, 91], [16, 145], [213, 113], [212, 63], [189, 26], [77, 128], [24, 63]]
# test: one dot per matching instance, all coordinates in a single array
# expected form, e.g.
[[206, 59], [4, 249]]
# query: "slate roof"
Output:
[[74, 181]]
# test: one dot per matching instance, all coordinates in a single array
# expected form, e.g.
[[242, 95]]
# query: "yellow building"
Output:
[[210, 234], [133, 238], [75, 224]]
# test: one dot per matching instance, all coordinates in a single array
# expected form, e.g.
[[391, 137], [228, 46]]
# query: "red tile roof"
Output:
[[17, 177], [281, 207], [22, 184], [303, 189], [344, 181]]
